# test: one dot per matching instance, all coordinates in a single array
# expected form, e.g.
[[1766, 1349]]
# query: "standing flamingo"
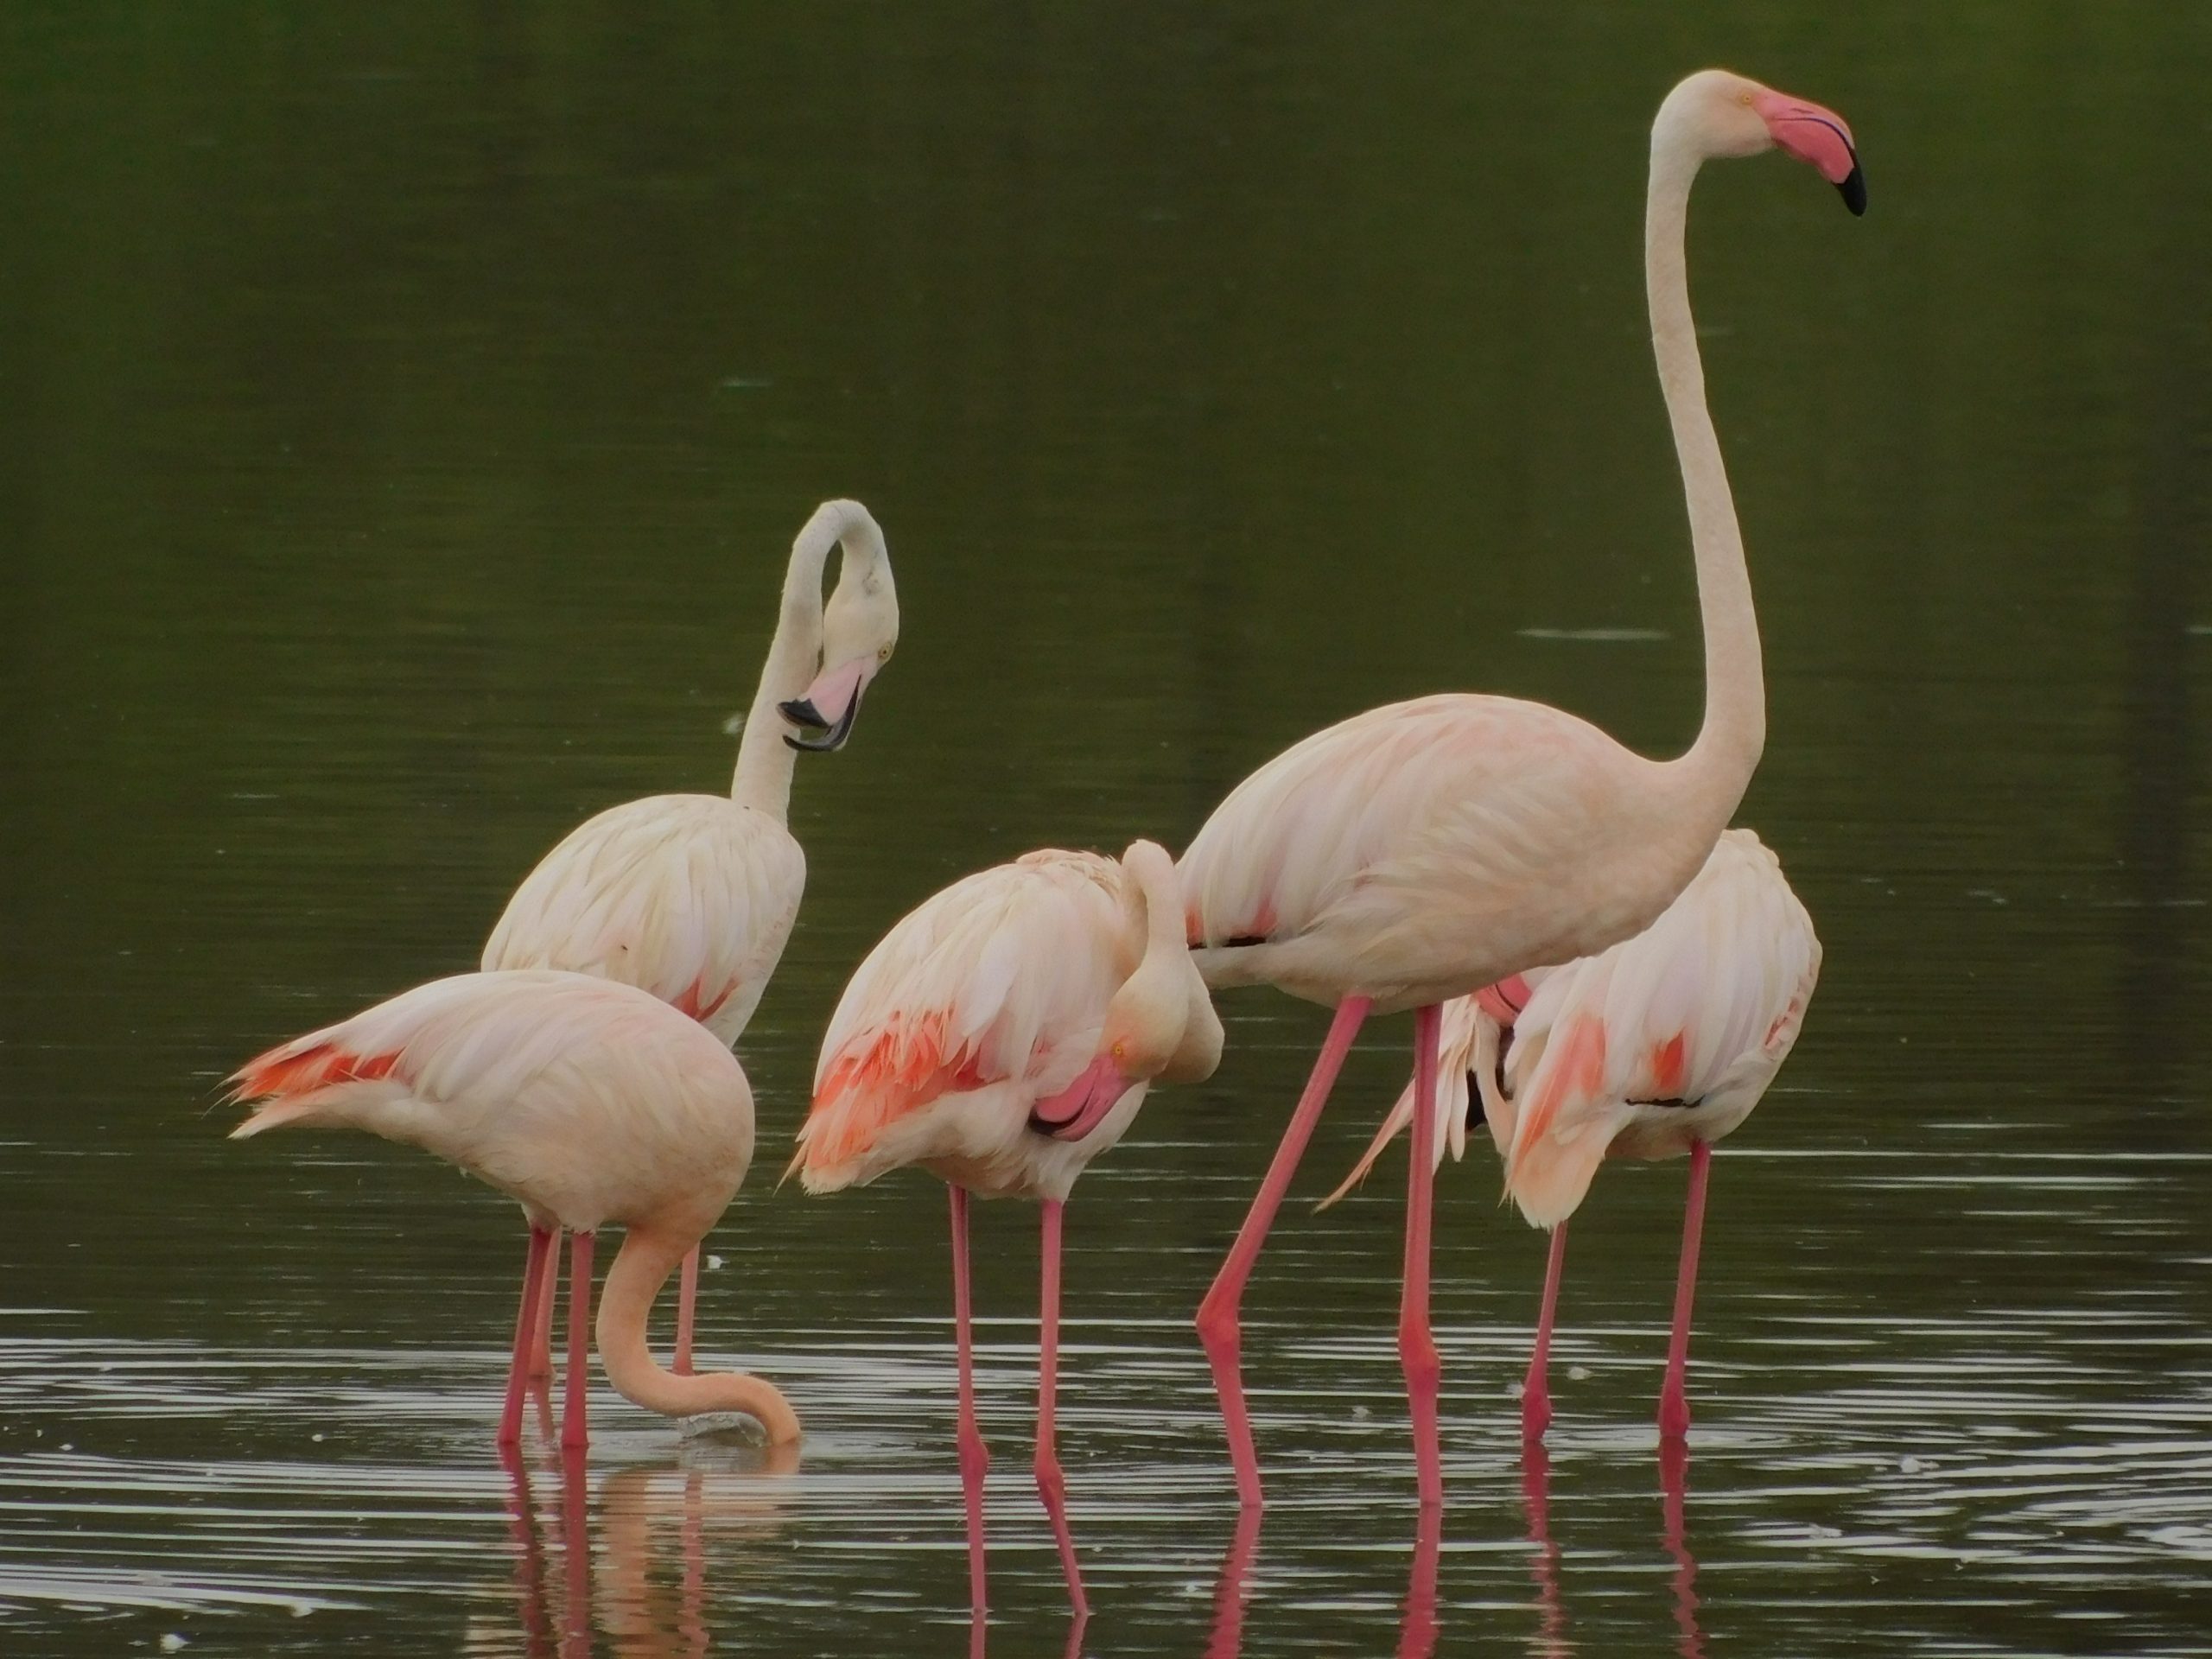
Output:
[[1002, 1036], [1657, 1047], [586, 1102], [1422, 851], [692, 897]]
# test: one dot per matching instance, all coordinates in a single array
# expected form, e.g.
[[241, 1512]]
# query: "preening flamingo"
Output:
[[1424, 850], [1002, 1036], [585, 1101], [1658, 1046], [692, 897]]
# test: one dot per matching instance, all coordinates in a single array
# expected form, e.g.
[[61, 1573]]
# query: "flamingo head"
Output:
[[860, 630], [1730, 114]]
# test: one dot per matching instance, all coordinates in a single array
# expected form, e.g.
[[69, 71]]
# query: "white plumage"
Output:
[[586, 1101], [689, 898], [990, 995], [1664, 1040]]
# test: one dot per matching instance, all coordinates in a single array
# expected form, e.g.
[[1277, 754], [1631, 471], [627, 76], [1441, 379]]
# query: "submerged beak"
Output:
[[829, 706], [1819, 138], [1082, 1105]]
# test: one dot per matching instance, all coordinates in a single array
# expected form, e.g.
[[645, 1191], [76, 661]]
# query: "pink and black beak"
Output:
[[827, 706], [1819, 136], [1082, 1105]]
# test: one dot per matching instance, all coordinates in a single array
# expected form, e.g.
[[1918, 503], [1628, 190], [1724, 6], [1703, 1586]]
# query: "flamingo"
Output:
[[1002, 1036], [692, 897], [584, 1100], [1423, 850], [1655, 1048]]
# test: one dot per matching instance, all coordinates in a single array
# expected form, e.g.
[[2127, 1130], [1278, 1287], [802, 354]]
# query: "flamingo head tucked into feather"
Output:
[[1160, 1023]]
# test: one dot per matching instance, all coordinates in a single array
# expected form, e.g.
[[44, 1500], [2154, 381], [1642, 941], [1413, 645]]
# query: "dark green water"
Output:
[[403, 422]]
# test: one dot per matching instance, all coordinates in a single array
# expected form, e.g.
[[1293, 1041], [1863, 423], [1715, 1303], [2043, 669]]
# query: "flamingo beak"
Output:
[[1082, 1105], [1819, 138], [829, 706]]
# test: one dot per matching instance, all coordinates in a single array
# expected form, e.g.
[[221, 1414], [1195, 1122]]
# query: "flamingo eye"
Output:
[[1119, 1049]]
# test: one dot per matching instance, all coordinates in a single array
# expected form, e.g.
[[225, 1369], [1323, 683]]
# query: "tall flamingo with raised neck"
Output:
[[692, 897], [585, 1101], [1002, 1036], [1424, 850], [1657, 1047]]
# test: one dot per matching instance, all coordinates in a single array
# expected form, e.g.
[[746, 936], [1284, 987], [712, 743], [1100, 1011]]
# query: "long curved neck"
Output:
[[763, 759], [1734, 732], [641, 1267]]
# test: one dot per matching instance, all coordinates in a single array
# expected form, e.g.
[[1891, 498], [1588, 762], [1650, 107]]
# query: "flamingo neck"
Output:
[[641, 1267], [1729, 742], [763, 759]]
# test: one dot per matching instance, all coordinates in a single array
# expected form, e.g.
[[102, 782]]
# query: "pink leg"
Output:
[[1536, 1392], [1674, 1488], [541, 1356], [974, 1457], [1673, 1397], [1218, 1327], [1416, 1345], [687, 1303], [574, 1433], [1543, 1565], [533, 1273], [1052, 1485]]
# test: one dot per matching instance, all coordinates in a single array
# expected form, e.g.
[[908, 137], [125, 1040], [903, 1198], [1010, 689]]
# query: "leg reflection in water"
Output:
[[1417, 1625], [1550, 1641], [1674, 1487]]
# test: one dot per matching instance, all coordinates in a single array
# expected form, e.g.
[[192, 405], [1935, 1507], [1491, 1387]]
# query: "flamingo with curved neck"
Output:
[[1428, 849], [586, 1101], [692, 897]]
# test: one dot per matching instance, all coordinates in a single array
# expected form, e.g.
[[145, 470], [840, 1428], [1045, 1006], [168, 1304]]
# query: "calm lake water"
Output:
[[404, 419]]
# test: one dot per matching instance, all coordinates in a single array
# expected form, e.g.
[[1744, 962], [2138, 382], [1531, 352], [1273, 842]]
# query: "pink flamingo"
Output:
[[1424, 850], [1655, 1048], [692, 897], [585, 1101], [1002, 1036]]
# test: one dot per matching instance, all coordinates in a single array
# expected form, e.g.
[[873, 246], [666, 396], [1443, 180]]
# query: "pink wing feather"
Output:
[[1002, 978]]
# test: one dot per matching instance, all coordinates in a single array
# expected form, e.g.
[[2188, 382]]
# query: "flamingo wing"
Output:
[[689, 898], [998, 983], [1700, 1008], [571, 1092]]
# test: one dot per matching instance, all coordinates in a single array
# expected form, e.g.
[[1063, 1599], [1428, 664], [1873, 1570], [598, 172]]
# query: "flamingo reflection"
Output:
[[1550, 1641], [1418, 1626], [565, 1597], [1674, 1488]]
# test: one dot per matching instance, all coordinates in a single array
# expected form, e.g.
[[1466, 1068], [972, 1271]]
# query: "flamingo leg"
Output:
[[1051, 1484], [533, 1272], [1537, 1393], [687, 1304], [575, 1435], [541, 1352], [1673, 1395], [975, 1456], [1416, 1344], [1218, 1325]]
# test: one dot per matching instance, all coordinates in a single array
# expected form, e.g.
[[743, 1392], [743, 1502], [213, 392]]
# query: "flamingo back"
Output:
[[585, 1100], [988, 997], [1418, 851], [689, 898]]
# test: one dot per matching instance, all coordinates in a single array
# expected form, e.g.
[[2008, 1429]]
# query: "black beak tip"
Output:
[[832, 738], [1853, 189]]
